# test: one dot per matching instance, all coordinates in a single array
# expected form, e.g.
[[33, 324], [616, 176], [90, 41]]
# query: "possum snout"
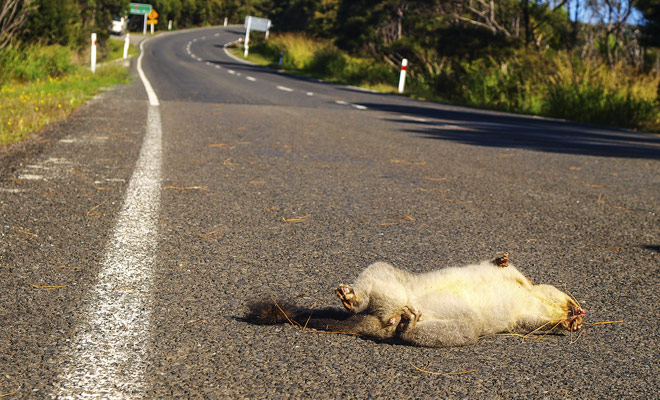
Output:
[[574, 320]]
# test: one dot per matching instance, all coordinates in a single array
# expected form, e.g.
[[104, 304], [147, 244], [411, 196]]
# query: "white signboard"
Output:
[[257, 24], [254, 24]]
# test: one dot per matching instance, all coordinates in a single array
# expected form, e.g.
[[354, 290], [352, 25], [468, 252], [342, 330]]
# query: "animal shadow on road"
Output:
[[652, 248]]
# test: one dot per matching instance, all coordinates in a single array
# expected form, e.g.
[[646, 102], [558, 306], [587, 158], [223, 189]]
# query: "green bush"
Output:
[[30, 62]]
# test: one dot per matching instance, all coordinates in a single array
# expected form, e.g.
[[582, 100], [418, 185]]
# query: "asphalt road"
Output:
[[133, 236]]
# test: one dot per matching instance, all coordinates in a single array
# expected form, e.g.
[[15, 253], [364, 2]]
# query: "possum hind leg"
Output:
[[358, 324], [434, 332]]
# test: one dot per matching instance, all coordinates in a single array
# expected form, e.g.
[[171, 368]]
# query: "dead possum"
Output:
[[452, 306]]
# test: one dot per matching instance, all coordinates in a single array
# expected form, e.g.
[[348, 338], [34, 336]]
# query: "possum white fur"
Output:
[[447, 307]]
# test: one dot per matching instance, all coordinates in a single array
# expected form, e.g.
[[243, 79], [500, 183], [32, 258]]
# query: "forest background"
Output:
[[594, 61]]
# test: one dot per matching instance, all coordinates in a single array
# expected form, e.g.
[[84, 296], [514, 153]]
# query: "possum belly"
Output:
[[489, 300]]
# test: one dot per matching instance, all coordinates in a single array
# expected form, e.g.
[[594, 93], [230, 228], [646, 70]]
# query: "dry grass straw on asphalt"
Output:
[[92, 211], [48, 287], [65, 267], [209, 235], [7, 394], [426, 371], [591, 325], [397, 220], [296, 220], [24, 232], [186, 188]]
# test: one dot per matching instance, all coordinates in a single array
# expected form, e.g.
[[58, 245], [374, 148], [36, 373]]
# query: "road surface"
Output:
[[135, 233]]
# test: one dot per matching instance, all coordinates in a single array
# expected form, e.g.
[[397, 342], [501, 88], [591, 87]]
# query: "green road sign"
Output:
[[140, 9]]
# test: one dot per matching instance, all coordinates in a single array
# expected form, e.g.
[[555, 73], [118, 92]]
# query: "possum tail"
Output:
[[271, 312]]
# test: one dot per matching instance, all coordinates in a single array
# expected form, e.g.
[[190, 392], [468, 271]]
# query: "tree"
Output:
[[650, 9], [13, 15], [52, 21], [70, 22]]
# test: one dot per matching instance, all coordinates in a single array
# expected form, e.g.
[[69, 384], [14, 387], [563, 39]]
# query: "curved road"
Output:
[[135, 235]]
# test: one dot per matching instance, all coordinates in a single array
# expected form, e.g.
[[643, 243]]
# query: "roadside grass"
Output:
[[43, 84], [553, 84]]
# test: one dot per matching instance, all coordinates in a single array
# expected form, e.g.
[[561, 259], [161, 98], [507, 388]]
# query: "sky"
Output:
[[587, 15]]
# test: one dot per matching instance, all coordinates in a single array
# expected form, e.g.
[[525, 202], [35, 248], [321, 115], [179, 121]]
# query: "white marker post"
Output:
[[169, 25], [402, 77], [93, 52], [225, 21], [247, 36], [152, 28], [126, 43]]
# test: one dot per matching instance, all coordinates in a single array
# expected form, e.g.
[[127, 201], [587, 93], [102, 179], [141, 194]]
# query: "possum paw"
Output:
[[409, 317], [502, 261], [347, 296]]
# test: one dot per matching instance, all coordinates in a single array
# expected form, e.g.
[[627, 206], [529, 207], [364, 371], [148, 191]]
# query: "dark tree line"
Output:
[[65, 22], [388, 29]]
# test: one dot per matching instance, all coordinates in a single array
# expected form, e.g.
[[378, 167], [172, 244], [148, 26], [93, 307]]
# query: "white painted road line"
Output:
[[231, 71], [416, 119], [153, 99], [251, 79], [310, 94], [344, 103], [284, 88], [108, 356], [228, 53]]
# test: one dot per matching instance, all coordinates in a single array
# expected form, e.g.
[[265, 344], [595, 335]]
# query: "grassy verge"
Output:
[[43, 84], [551, 84]]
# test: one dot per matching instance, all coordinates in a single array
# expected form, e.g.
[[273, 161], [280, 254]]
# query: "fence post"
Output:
[[126, 43], [93, 52], [402, 76], [247, 36]]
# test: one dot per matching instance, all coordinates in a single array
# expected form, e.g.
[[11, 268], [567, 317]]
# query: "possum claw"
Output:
[[502, 261], [347, 296], [409, 317]]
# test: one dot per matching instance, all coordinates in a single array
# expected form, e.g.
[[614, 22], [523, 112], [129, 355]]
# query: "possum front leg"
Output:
[[433, 332], [380, 289], [388, 312], [348, 298]]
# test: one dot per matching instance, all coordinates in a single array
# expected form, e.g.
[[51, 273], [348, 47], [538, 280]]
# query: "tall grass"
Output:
[[29, 62], [322, 59], [582, 90], [554, 84]]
